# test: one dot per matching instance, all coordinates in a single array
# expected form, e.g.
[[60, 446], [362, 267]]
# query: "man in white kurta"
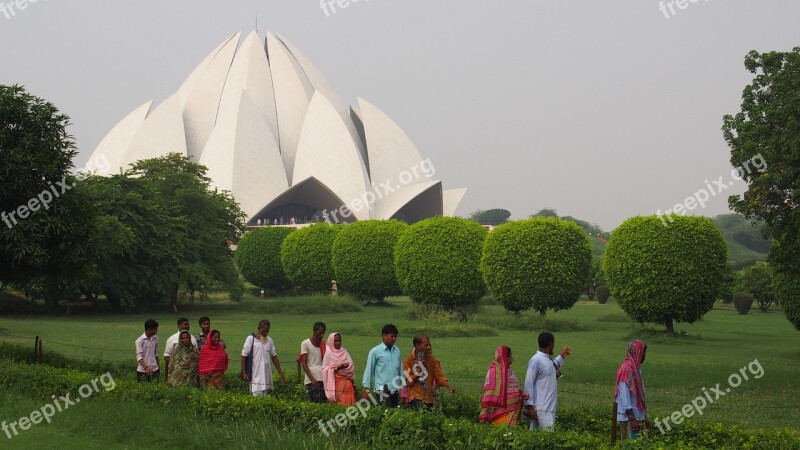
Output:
[[541, 384], [264, 355]]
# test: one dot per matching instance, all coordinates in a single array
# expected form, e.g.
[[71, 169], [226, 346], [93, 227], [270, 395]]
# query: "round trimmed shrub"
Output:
[[666, 269], [258, 256], [437, 261], [363, 258], [743, 301], [539, 263], [306, 257], [603, 293], [787, 292]]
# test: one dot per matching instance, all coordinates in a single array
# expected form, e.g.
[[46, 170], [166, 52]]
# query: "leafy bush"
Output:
[[603, 293], [541, 263], [743, 301], [432, 329], [306, 257], [616, 316], [533, 323], [757, 280], [320, 304], [363, 258], [258, 256], [437, 262], [665, 270], [787, 291]]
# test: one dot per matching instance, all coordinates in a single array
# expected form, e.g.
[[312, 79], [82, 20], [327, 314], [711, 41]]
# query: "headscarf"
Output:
[[494, 397], [332, 359], [213, 358], [183, 364], [630, 372]]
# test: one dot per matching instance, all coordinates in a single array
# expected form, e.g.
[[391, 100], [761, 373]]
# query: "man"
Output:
[[147, 353], [261, 348], [629, 392], [205, 330], [385, 369], [172, 343], [422, 369], [312, 350], [540, 383]]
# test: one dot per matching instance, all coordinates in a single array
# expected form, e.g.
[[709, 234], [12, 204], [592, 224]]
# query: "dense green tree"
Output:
[[306, 257], [757, 280], [787, 293], [258, 256], [540, 263], [363, 258], [493, 217], [437, 262], [666, 274], [546, 212]]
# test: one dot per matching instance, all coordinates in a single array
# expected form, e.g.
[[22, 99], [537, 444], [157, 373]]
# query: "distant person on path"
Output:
[[203, 335], [541, 383], [501, 403], [183, 366], [334, 288], [629, 392], [213, 362], [384, 369], [423, 372], [312, 350], [338, 373], [147, 353], [263, 351], [172, 343]]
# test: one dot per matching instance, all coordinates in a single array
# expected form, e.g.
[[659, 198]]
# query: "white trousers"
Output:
[[546, 421]]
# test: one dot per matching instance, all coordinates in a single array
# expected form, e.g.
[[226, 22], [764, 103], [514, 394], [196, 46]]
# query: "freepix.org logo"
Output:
[[10, 9]]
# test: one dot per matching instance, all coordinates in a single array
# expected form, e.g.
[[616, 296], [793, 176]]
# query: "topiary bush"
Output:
[[787, 291], [437, 261], [258, 256], [541, 263], [666, 269], [363, 258], [603, 293], [306, 257], [743, 301]]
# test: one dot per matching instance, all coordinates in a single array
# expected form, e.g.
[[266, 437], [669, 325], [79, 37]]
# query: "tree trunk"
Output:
[[670, 326], [173, 299]]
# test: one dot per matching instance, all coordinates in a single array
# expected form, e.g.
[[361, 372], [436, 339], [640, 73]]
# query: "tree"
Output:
[[787, 293], [540, 263], [363, 258], [493, 217], [767, 133], [757, 280], [258, 256], [546, 212], [306, 257], [666, 274], [437, 262]]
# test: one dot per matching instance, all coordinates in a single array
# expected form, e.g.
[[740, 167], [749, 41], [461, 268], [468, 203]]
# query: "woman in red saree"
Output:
[[213, 362], [502, 397], [338, 373]]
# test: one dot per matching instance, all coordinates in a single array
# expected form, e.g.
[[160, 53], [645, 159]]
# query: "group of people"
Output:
[[188, 360], [329, 373], [505, 401]]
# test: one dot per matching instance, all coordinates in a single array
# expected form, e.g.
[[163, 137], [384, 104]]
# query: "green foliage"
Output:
[[533, 323], [787, 292], [321, 304], [363, 258], [258, 256], [306, 257], [539, 263], [494, 217], [603, 293], [757, 280], [433, 328], [665, 274], [743, 301], [746, 243], [437, 261]]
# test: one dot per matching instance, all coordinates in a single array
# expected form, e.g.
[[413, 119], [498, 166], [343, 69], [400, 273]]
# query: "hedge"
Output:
[[258, 256], [306, 257]]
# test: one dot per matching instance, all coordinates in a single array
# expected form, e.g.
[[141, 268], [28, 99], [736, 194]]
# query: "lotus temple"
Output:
[[272, 131]]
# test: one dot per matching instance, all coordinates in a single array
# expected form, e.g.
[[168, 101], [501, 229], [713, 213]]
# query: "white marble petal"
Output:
[[112, 149], [161, 133], [388, 206], [451, 199]]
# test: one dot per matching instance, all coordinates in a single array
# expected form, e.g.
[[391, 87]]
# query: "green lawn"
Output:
[[676, 371]]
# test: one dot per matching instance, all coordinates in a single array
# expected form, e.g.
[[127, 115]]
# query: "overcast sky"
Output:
[[602, 110]]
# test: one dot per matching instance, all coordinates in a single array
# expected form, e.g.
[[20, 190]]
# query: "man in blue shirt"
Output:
[[384, 369]]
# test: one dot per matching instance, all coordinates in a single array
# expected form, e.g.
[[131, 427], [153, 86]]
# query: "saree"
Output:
[[338, 383], [183, 365], [501, 403], [213, 364]]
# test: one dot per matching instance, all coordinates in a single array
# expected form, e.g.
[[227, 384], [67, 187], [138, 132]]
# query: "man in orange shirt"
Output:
[[422, 369]]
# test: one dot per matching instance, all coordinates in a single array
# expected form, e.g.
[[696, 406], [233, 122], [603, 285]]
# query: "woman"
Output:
[[213, 362], [502, 397], [184, 362], [338, 373]]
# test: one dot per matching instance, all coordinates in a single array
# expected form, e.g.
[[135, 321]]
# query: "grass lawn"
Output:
[[676, 371]]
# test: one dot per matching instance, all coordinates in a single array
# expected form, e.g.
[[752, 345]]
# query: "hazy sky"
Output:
[[600, 109]]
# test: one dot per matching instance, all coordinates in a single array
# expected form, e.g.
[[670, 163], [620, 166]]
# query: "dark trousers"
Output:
[[143, 377], [419, 404], [391, 400], [316, 393]]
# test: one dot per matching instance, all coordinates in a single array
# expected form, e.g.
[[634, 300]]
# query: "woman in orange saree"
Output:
[[502, 397]]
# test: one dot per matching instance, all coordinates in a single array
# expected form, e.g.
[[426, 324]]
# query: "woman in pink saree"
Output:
[[502, 397], [338, 373]]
